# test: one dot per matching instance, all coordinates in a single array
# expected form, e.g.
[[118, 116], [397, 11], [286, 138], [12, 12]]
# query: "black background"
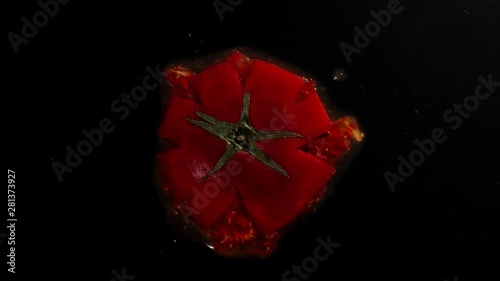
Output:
[[438, 224]]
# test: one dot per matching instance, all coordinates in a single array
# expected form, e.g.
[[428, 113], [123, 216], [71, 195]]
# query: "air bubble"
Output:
[[339, 75]]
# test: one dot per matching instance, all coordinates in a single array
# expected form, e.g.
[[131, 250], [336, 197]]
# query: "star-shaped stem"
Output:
[[240, 137]]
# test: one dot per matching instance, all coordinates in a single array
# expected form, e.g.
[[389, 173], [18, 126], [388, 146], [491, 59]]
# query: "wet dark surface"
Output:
[[105, 215]]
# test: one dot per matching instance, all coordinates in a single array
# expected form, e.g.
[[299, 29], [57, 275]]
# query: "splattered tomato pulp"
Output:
[[247, 147]]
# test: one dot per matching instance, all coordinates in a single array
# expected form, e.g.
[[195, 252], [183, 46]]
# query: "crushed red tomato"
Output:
[[247, 148]]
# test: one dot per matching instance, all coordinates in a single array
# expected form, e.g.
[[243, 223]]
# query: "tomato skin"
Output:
[[244, 205]]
